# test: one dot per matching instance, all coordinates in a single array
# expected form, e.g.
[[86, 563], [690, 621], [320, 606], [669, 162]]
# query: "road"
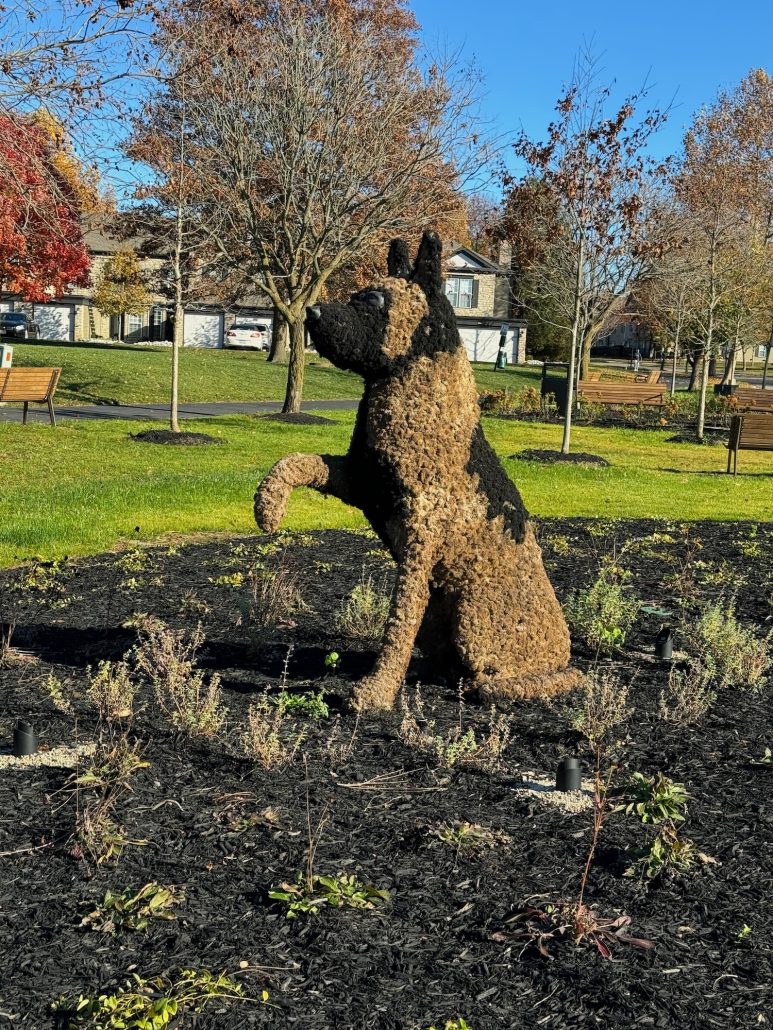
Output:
[[160, 412]]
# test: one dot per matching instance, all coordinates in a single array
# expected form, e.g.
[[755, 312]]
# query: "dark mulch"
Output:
[[298, 418], [557, 457], [429, 956], [709, 439], [182, 439]]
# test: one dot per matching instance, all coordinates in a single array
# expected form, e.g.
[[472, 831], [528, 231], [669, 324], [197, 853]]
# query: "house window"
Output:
[[133, 325], [461, 291]]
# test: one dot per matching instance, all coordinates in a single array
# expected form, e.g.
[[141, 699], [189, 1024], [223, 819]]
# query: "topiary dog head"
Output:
[[387, 325]]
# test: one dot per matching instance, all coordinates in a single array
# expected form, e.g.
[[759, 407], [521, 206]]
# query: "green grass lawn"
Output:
[[85, 486], [113, 374]]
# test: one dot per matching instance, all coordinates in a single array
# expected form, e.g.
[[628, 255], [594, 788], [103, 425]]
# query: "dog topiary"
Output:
[[471, 588]]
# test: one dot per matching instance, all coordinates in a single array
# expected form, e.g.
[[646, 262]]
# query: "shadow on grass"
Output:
[[719, 472], [142, 347]]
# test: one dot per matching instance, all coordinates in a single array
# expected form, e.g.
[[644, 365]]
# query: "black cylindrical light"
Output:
[[568, 774], [664, 644], [25, 740]]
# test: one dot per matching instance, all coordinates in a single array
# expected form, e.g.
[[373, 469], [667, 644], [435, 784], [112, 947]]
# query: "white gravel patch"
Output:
[[62, 757], [543, 790]]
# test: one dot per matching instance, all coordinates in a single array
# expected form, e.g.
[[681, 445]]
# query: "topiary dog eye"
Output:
[[374, 299]]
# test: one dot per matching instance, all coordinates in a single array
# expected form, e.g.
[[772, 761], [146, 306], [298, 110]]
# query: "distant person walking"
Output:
[[636, 359]]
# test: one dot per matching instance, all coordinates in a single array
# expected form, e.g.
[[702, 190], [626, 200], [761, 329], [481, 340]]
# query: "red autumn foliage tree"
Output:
[[41, 245]]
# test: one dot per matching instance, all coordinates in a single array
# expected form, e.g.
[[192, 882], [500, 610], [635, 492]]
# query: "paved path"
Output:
[[160, 412]]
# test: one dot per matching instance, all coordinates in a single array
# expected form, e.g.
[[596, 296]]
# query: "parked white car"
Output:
[[256, 337]]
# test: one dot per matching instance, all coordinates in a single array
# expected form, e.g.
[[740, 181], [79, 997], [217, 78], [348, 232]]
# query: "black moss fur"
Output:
[[501, 493]]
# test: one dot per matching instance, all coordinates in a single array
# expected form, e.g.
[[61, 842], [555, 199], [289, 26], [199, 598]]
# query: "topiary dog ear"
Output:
[[428, 270], [399, 260]]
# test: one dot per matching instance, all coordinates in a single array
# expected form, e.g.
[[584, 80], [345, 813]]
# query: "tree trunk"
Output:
[[728, 376], [587, 343], [296, 368], [702, 398], [177, 343], [279, 352], [120, 327], [697, 362], [673, 366], [765, 364], [566, 439]]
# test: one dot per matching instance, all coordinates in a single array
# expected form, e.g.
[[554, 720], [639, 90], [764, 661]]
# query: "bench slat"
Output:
[[623, 393]]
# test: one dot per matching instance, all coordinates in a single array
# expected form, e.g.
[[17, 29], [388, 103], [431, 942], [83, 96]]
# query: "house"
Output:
[[73, 317], [479, 291]]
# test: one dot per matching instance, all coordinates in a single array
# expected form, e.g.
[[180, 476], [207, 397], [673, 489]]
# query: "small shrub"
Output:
[[266, 739], [668, 852], [653, 799], [456, 746], [150, 1004], [55, 690], [604, 706], [133, 560], [111, 690], [97, 792], [41, 577], [603, 614], [659, 801], [364, 612], [168, 659], [274, 599], [338, 751], [688, 695], [132, 910], [342, 891], [311, 705], [732, 655], [468, 837]]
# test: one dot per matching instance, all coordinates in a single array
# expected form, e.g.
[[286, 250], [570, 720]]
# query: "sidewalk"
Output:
[[160, 412]]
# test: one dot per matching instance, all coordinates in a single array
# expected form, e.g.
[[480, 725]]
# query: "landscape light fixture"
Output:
[[568, 775], [664, 644], [25, 740]]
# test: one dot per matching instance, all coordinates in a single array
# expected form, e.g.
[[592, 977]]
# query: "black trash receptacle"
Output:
[[555, 381]]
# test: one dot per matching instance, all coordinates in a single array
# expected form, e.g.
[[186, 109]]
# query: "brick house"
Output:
[[479, 291]]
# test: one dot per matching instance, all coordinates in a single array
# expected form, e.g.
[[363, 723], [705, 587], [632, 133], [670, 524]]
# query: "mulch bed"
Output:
[[298, 418], [429, 955], [181, 439], [558, 457]]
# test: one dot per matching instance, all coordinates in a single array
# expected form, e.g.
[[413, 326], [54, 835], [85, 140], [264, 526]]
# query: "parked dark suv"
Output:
[[17, 325]]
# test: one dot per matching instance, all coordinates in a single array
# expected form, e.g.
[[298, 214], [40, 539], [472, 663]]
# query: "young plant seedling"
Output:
[[131, 910]]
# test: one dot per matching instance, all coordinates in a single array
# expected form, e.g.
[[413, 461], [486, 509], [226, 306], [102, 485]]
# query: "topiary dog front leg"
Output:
[[409, 603], [323, 472]]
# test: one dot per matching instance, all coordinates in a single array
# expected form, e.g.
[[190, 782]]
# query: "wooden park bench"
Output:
[[649, 377], [751, 398], [30, 386], [593, 377], [750, 432], [622, 393]]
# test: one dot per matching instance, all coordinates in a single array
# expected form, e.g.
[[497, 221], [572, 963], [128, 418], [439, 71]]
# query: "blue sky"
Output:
[[686, 49]]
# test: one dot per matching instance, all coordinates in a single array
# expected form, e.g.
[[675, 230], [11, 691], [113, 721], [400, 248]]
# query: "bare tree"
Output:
[[588, 184], [314, 146]]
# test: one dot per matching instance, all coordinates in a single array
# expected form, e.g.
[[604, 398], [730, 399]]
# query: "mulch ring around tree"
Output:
[[447, 942], [298, 418], [181, 439], [558, 457]]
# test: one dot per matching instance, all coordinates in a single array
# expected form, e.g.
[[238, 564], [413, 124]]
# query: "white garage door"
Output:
[[483, 344], [55, 321], [203, 329]]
